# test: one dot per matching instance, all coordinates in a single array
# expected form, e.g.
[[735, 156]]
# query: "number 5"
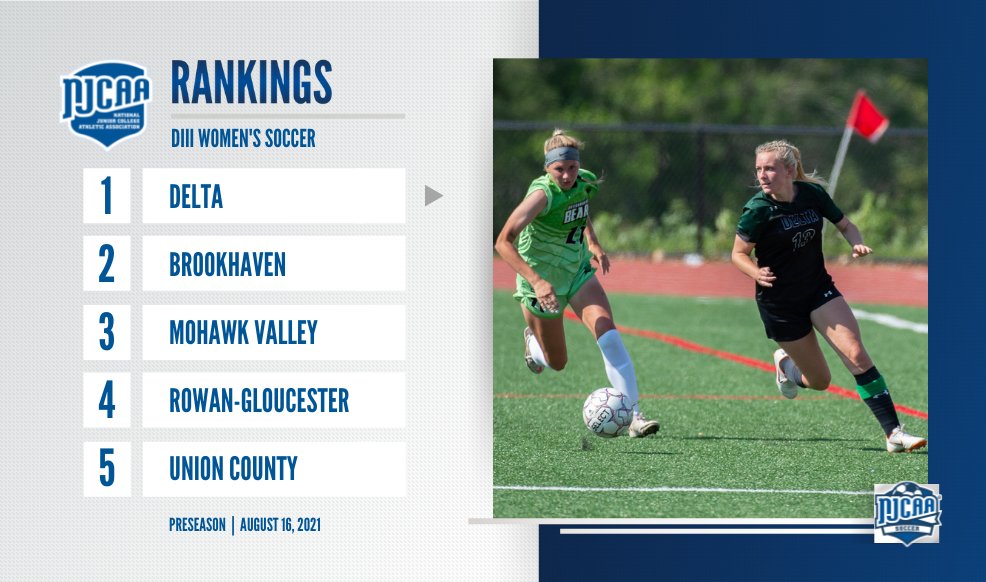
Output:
[[104, 463]]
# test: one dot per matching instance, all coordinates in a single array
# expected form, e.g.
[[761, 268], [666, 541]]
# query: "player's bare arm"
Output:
[[742, 251], [598, 254], [852, 235], [523, 215]]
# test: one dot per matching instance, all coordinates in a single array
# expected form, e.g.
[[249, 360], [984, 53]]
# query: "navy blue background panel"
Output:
[[951, 37], [725, 28], [763, 558]]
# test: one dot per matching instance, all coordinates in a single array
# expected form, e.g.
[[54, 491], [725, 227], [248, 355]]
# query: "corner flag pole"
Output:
[[865, 118], [839, 158]]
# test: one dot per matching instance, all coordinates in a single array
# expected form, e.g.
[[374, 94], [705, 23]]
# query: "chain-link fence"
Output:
[[675, 188]]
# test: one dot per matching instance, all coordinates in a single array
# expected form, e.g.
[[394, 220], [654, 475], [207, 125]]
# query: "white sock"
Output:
[[619, 368], [536, 352], [792, 371]]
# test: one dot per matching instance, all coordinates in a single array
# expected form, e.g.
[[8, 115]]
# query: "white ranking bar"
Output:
[[274, 469], [273, 332], [268, 400], [274, 195], [274, 263]]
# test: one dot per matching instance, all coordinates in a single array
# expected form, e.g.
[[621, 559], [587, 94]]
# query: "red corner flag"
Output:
[[865, 118]]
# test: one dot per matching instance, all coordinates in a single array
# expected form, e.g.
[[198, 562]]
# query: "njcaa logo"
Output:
[[906, 513], [105, 101]]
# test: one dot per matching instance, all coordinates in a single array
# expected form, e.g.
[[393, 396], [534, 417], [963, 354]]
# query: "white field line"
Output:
[[891, 321], [674, 490]]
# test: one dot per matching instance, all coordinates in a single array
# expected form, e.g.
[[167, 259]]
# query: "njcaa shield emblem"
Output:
[[906, 513], [105, 101]]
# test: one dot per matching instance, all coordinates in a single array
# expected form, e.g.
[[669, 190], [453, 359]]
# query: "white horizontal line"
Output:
[[676, 490], [708, 522], [891, 321], [287, 116], [707, 531]]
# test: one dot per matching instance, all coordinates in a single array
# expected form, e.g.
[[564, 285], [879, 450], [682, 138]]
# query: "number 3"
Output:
[[106, 318]]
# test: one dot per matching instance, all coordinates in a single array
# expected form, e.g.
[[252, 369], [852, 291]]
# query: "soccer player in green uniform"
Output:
[[795, 293], [555, 244]]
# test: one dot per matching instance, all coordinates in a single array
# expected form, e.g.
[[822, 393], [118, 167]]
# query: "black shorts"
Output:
[[785, 322]]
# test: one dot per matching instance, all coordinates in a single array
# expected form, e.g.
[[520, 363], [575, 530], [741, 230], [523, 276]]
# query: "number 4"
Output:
[[576, 235], [106, 400]]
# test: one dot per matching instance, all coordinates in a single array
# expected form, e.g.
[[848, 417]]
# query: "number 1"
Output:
[[106, 195]]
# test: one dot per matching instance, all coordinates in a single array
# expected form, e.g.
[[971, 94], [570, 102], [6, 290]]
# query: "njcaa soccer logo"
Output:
[[907, 513], [105, 101]]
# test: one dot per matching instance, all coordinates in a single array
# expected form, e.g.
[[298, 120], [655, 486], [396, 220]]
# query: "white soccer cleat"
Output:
[[640, 427], [901, 442], [787, 386], [528, 358]]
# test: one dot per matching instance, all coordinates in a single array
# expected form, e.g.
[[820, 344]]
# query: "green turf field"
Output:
[[723, 424]]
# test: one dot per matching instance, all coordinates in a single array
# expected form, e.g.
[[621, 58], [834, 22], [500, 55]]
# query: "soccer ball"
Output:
[[607, 412]]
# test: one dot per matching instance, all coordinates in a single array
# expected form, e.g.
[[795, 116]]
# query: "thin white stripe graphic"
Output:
[[707, 531], [674, 490], [713, 522], [891, 321]]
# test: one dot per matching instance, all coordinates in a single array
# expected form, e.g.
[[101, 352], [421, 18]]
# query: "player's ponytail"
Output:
[[559, 139], [791, 156]]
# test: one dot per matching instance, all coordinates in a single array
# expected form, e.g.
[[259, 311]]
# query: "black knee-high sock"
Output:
[[873, 390]]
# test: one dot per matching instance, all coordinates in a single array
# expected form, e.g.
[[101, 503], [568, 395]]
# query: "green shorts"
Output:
[[528, 298]]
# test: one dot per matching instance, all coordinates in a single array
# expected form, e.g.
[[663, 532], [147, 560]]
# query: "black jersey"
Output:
[[788, 236]]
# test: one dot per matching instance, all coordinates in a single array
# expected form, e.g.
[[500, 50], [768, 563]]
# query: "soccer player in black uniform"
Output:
[[795, 293]]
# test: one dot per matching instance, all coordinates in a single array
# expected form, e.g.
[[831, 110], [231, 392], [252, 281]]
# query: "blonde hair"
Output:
[[791, 157], [559, 139]]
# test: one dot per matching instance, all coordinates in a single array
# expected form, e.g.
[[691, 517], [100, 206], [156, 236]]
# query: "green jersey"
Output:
[[553, 244], [788, 236]]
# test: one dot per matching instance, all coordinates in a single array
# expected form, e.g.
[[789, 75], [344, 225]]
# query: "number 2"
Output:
[[107, 251]]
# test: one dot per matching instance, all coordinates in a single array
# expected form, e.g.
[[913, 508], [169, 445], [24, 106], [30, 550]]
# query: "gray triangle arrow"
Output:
[[431, 195]]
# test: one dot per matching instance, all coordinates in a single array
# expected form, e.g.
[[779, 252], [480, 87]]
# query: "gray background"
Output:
[[429, 61]]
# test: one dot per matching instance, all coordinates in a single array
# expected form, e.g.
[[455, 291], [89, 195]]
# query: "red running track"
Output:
[[859, 283]]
